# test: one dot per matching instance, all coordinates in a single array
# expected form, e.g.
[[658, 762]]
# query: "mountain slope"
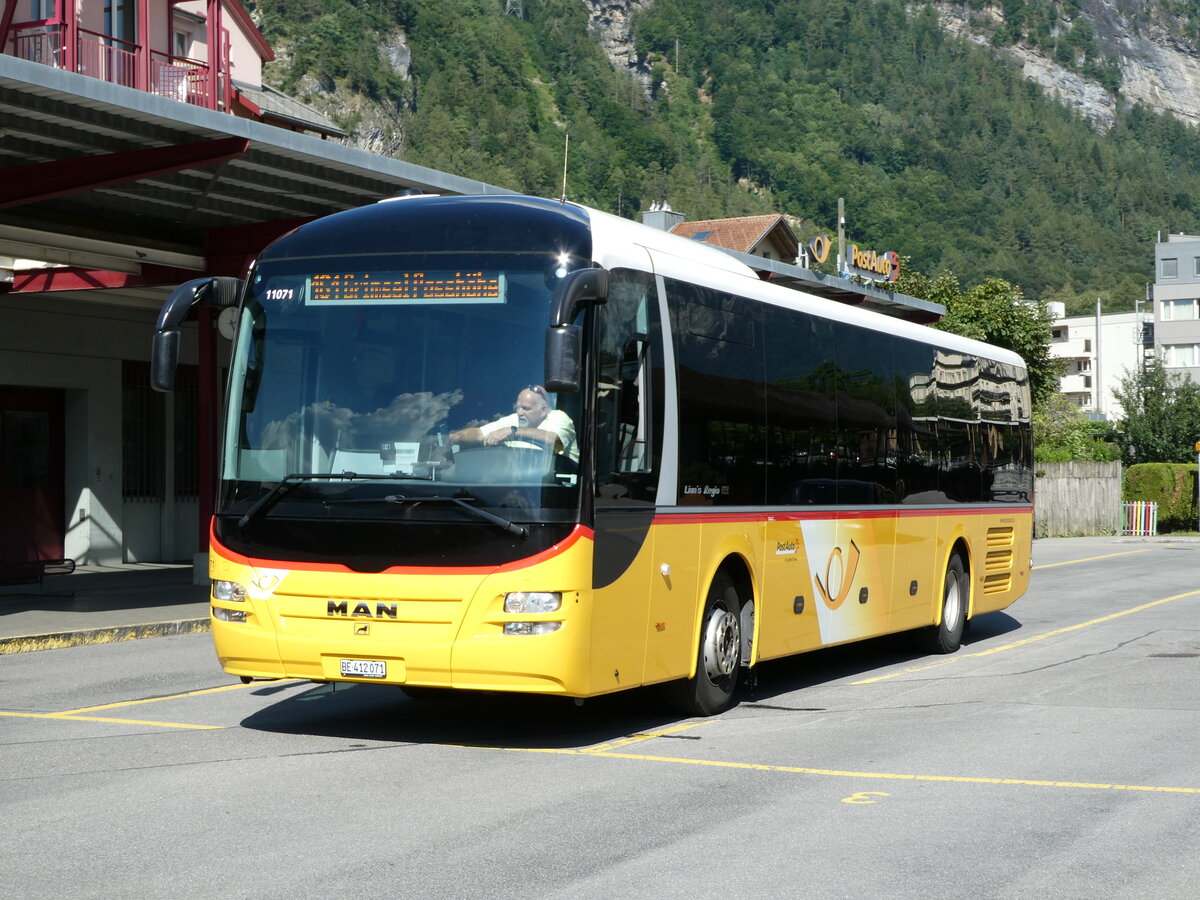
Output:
[[942, 149]]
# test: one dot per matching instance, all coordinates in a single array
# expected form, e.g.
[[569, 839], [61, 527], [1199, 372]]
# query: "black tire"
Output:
[[947, 635], [719, 656]]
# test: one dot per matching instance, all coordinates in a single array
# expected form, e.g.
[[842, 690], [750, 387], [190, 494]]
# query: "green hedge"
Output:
[[1172, 486]]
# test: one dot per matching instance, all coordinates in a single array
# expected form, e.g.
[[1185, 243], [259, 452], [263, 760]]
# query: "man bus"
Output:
[[759, 472]]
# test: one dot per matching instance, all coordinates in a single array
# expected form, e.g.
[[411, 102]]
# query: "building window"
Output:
[[1196, 266], [143, 444], [1087, 345], [187, 434], [180, 44], [1178, 310], [1181, 355], [1169, 268]]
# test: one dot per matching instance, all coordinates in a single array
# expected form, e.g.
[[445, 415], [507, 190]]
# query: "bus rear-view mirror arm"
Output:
[[564, 339], [216, 291]]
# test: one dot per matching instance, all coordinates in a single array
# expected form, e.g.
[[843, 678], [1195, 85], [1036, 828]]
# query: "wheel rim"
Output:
[[953, 606], [722, 644]]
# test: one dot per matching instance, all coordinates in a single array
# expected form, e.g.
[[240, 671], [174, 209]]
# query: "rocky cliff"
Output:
[[1159, 67]]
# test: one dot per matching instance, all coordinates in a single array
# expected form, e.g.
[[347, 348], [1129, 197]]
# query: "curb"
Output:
[[114, 634]]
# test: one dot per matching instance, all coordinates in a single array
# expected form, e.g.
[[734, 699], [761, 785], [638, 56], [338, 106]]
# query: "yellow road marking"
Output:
[[186, 694], [1029, 640], [64, 717], [1072, 562], [888, 776], [642, 736]]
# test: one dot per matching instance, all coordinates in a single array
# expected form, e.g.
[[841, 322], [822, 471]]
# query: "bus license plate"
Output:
[[364, 668]]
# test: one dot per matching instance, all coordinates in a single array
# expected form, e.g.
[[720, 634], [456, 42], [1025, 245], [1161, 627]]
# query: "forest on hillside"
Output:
[[942, 151]]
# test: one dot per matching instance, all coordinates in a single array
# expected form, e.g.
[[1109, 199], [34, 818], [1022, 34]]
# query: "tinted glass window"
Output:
[[1003, 444], [722, 418], [629, 390], [916, 423], [866, 404], [957, 381], [801, 391], [399, 369]]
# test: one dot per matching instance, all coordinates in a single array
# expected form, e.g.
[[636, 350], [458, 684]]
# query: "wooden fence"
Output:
[[1077, 499]]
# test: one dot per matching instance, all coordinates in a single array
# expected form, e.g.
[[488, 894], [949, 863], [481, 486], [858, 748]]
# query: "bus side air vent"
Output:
[[997, 584], [1000, 537], [998, 561]]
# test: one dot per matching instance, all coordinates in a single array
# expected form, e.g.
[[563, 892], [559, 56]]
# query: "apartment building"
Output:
[[1177, 303], [1099, 352]]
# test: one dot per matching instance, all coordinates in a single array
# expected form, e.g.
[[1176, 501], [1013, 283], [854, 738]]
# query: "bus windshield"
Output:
[[388, 372]]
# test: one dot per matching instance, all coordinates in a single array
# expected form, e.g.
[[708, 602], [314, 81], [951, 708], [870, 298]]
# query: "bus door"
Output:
[[627, 414]]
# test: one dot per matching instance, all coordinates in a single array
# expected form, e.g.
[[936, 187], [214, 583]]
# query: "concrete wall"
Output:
[[1077, 498], [78, 347]]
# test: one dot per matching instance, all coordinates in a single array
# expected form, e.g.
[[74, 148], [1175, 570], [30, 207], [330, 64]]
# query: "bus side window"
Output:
[[628, 390], [634, 426]]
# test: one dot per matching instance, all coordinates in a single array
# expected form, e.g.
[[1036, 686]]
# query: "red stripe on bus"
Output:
[[824, 515], [580, 532]]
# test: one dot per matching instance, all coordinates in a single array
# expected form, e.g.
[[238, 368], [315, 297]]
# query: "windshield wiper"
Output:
[[288, 482], [492, 518]]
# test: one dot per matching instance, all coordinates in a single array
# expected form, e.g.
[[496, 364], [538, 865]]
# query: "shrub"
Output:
[[1172, 486]]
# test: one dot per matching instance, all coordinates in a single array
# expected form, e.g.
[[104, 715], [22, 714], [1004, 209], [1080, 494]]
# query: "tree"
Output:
[[996, 312], [1162, 415], [1062, 433]]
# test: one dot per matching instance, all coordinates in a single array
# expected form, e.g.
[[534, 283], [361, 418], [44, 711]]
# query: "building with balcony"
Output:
[[207, 53], [1177, 303], [138, 150]]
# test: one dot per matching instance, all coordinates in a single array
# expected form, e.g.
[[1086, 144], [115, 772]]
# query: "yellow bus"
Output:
[[507, 444]]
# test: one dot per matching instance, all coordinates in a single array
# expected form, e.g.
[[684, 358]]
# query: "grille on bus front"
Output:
[[409, 618]]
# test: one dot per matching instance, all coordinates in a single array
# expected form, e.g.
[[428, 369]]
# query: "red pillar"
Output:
[[142, 77], [213, 36], [70, 35]]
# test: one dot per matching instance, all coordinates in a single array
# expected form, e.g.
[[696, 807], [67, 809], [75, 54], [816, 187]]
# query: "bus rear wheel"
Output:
[[719, 656], [947, 635]]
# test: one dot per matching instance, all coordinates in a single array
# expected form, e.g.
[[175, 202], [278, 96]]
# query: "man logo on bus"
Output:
[[838, 576]]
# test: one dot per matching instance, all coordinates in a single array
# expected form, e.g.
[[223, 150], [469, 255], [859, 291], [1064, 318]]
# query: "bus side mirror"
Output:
[[164, 359], [218, 291], [564, 339], [564, 347]]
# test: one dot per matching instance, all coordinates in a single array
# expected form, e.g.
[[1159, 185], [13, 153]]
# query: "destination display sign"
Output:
[[419, 287]]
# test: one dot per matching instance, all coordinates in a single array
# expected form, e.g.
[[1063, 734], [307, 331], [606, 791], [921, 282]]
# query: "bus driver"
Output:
[[531, 424]]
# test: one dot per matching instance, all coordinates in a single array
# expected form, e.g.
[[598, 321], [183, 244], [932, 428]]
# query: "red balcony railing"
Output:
[[112, 59], [180, 79], [39, 43], [107, 58]]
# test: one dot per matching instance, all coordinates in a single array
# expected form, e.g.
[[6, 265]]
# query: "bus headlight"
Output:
[[531, 627], [229, 590], [222, 614], [532, 602]]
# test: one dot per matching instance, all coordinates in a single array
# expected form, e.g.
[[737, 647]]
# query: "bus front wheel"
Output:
[[946, 636], [719, 655]]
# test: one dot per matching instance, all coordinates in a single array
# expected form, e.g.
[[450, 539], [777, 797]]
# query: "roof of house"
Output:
[[270, 104], [742, 233]]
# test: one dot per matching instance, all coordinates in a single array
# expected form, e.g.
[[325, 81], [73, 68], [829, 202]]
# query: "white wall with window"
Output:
[[1177, 356], [1095, 363], [1179, 310]]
